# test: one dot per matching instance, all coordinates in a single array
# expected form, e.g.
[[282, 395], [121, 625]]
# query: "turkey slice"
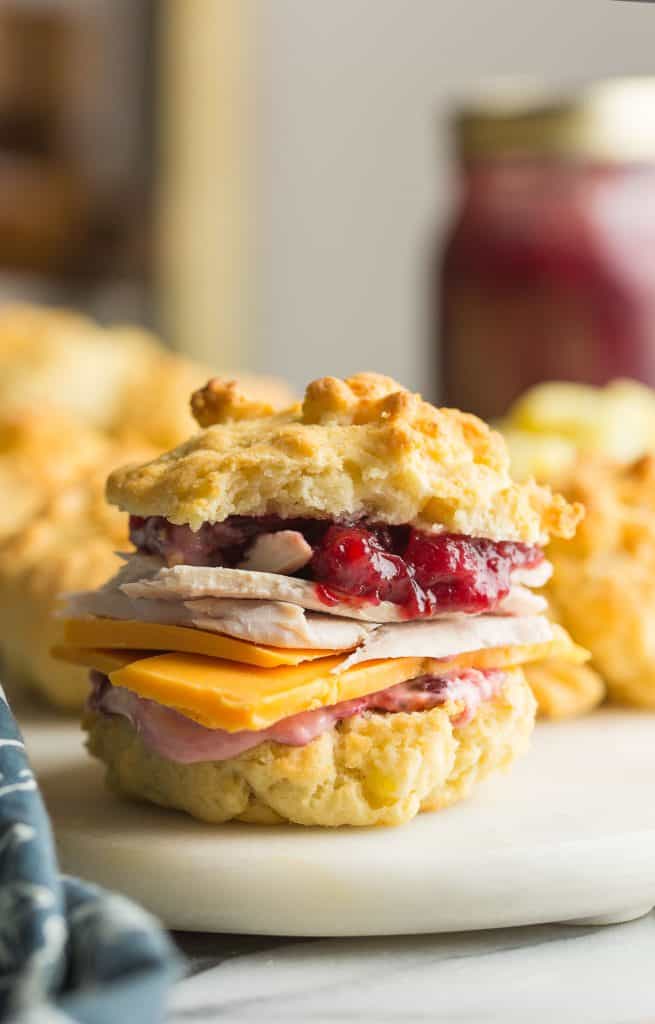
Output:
[[274, 623], [521, 601], [534, 577], [447, 637], [285, 552], [279, 624], [189, 583]]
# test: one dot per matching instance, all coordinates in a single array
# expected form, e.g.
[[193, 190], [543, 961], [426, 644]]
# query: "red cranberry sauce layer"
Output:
[[359, 561]]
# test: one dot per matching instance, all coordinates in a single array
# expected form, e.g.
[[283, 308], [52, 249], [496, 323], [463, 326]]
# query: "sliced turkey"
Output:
[[278, 624], [534, 577], [274, 623], [285, 552], [189, 583], [447, 637], [521, 601]]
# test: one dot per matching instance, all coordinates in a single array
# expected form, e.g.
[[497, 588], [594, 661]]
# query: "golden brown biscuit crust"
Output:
[[368, 770], [361, 446], [222, 401]]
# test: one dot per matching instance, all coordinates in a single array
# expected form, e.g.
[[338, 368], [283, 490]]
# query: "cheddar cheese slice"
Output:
[[226, 695], [232, 696], [154, 636], [105, 661]]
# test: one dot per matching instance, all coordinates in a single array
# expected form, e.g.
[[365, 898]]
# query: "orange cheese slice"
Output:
[[232, 684], [153, 636], [232, 696], [105, 661], [561, 646], [226, 695]]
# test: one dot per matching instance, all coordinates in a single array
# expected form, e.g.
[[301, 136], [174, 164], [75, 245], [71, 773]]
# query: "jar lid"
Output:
[[608, 120]]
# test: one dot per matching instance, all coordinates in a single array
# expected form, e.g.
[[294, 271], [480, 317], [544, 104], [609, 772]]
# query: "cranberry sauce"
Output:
[[223, 543], [424, 573], [421, 572]]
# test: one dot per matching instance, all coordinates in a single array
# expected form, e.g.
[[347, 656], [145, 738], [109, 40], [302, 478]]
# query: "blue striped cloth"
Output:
[[69, 951]]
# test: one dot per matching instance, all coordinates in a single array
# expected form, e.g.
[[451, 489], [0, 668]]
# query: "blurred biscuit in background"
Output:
[[67, 361], [156, 406], [594, 445], [76, 401], [564, 689], [603, 586], [68, 545], [550, 425], [41, 451], [120, 380]]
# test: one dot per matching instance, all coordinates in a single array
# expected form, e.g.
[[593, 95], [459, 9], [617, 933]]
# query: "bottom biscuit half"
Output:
[[372, 769]]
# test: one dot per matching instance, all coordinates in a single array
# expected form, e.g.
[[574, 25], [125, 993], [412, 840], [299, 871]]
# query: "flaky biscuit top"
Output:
[[357, 447]]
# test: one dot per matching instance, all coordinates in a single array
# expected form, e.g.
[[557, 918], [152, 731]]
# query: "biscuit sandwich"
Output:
[[327, 612]]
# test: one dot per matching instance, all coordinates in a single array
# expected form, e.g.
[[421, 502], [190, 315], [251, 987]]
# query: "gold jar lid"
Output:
[[609, 120]]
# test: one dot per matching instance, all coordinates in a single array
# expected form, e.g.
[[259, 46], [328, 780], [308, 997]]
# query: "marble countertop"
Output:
[[530, 975], [539, 974]]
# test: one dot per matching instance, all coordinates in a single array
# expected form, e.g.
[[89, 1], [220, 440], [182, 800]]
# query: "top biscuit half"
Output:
[[360, 447]]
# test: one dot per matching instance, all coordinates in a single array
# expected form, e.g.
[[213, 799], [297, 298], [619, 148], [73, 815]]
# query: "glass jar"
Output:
[[548, 272]]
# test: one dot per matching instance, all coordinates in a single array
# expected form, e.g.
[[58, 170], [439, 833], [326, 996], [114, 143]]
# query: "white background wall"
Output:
[[352, 156]]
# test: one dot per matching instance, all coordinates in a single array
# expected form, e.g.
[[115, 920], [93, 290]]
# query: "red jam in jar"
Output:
[[549, 269]]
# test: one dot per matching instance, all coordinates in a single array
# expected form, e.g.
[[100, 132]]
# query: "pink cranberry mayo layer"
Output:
[[356, 561], [177, 738]]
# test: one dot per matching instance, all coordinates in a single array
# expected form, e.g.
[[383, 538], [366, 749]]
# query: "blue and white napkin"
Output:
[[69, 951]]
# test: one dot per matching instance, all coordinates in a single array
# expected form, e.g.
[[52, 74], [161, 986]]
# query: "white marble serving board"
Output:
[[568, 835]]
